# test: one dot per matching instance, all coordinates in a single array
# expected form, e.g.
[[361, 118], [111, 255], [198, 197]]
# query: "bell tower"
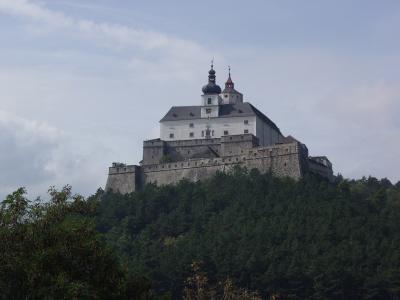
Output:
[[229, 95]]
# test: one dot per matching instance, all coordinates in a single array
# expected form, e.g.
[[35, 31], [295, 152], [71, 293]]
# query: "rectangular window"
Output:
[[202, 133], [246, 122], [212, 132], [226, 132], [191, 134], [208, 110], [246, 131], [191, 125], [171, 135], [209, 101]]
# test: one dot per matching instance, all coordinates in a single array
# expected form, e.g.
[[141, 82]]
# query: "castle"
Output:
[[222, 132]]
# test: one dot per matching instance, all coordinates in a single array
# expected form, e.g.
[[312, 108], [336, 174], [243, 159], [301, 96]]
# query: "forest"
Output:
[[243, 235]]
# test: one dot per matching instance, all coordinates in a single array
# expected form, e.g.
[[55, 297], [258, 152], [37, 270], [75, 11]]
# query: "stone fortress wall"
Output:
[[169, 162]]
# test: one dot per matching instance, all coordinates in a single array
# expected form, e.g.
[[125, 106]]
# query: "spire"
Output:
[[229, 83], [211, 73], [211, 87]]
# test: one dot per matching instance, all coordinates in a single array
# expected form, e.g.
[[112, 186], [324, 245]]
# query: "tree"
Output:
[[287, 239], [52, 250]]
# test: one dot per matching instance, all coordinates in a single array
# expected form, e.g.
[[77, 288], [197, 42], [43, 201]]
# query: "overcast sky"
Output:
[[83, 82]]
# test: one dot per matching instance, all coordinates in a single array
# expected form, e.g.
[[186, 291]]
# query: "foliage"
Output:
[[198, 288], [286, 239], [52, 250]]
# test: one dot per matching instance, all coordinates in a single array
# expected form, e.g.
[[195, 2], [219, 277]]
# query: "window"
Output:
[[202, 133], [246, 122], [209, 101], [212, 132], [191, 134], [191, 125], [171, 135], [226, 132], [226, 96], [246, 131], [208, 110]]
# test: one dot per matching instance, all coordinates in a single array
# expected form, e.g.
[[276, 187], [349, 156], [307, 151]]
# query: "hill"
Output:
[[277, 236]]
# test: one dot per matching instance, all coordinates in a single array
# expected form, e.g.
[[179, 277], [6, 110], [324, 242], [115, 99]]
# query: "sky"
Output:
[[83, 83]]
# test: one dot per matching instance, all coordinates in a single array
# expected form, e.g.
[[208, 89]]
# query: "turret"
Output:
[[229, 95]]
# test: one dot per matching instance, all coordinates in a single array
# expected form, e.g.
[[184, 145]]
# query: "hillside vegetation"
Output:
[[308, 239]]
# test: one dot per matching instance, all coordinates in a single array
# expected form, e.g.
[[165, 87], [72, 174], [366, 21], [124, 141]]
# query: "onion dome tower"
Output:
[[229, 94], [211, 96], [211, 87]]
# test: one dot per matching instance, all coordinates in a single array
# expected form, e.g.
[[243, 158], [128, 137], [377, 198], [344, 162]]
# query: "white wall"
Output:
[[212, 107], [182, 130]]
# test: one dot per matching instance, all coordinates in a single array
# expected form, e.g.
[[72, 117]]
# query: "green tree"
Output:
[[52, 250]]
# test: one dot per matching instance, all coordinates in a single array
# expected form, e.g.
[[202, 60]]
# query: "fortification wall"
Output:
[[321, 169], [289, 159], [237, 144], [281, 160], [123, 179], [155, 150]]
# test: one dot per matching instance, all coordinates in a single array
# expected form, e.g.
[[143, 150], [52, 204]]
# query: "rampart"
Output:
[[158, 151], [281, 160], [123, 179]]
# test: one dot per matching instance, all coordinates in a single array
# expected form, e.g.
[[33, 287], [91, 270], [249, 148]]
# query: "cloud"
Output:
[[26, 152], [36, 155], [27, 9], [110, 35]]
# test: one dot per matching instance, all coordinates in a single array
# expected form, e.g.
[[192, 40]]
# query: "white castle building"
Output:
[[220, 113]]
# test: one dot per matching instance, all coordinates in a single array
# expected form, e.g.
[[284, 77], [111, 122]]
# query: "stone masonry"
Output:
[[169, 162]]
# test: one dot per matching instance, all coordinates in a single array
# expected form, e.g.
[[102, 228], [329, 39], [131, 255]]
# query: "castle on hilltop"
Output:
[[222, 132]]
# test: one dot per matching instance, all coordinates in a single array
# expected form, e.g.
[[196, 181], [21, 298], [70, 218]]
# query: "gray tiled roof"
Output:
[[177, 113]]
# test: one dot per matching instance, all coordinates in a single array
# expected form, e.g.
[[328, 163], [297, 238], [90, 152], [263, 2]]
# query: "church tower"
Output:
[[210, 100], [229, 94]]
